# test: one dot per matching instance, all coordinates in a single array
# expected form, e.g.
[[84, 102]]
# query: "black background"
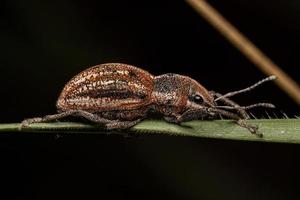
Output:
[[45, 43]]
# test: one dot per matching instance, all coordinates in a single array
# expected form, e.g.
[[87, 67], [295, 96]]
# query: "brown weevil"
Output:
[[120, 95]]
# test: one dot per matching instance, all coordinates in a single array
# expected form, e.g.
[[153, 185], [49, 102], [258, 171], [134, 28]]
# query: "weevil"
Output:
[[118, 96]]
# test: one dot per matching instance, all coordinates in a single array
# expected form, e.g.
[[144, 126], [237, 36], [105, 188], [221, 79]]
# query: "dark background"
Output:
[[44, 43]]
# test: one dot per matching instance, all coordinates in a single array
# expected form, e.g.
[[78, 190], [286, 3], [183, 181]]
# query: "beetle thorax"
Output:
[[169, 92]]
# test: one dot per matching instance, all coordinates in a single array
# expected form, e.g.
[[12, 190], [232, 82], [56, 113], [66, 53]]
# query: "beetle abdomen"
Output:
[[111, 86]]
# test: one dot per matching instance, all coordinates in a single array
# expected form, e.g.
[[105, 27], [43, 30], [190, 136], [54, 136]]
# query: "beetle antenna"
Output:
[[230, 94], [265, 105], [225, 113]]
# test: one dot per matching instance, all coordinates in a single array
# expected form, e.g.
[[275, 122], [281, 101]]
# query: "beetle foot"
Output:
[[251, 127], [25, 123]]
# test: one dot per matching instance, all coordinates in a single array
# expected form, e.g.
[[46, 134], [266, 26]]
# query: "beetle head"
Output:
[[198, 96]]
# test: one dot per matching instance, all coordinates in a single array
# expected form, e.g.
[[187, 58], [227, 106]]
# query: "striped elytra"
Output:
[[111, 86]]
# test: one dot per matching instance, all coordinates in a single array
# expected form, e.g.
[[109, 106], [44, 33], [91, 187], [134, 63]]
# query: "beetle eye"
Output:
[[198, 99]]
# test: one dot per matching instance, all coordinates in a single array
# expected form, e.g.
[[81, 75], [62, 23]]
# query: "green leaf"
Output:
[[274, 130]]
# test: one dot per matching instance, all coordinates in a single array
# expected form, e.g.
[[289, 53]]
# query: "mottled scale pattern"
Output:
[[111, 86]]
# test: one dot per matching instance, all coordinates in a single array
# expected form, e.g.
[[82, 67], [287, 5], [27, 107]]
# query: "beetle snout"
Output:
[[204, 105], [211, 104]]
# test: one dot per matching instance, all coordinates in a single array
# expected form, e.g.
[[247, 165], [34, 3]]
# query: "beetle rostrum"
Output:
[[120, 95]]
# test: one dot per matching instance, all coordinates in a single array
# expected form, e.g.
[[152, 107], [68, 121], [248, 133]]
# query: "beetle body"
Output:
[[125, 92], [120, 95]]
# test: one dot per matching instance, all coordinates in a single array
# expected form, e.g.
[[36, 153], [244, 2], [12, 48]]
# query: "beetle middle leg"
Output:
[[125, 118], [121, 124]]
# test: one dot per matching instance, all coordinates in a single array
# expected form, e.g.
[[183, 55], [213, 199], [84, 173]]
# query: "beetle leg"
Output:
[[87, 115], [243, 114], [121, 124], [251, 127], [174, 118], [170, 119], [227, 101], [241, 122], [46, 118], [92, 117]]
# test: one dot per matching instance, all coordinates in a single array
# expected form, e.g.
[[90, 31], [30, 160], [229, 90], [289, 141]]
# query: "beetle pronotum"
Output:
[[120, 95]]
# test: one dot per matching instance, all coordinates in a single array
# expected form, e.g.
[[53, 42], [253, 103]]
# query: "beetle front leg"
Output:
[[229, 102], [241, 122], [251, 127]]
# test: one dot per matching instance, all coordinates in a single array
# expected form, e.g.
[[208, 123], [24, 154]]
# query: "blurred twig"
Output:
[[274, 130], [254, 54]]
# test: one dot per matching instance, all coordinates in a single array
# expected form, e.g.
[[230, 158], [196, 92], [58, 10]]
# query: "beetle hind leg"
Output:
[[47, 118], [78, 113], [96, 118]]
